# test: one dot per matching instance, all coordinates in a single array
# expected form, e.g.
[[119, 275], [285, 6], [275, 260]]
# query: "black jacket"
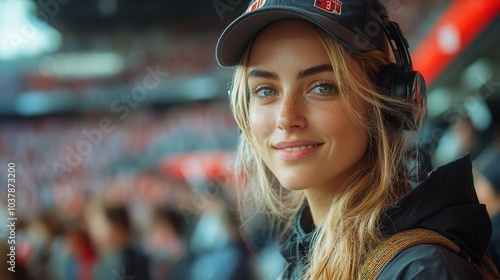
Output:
[[445, 202], [494, 246]]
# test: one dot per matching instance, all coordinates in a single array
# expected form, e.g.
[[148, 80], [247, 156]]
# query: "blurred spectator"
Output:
[[216, 249], [82, 252], [111, 230], [36, 241], [165, 242], [460, 138], [71, 254], [487, 183]]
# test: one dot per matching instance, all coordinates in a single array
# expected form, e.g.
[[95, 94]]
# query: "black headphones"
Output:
[[399, 80]]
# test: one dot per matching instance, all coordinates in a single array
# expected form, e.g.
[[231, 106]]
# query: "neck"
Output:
[[319, 204], [320, 198]]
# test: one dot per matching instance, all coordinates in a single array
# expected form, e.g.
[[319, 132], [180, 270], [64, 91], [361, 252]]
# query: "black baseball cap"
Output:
[[356, 24]]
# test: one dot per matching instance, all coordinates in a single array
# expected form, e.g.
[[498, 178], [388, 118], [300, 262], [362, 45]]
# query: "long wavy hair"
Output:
[[351, 226]]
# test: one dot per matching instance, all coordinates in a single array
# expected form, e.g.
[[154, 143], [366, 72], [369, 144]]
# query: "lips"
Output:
[[296, 150], [303, 147], [295, 144]]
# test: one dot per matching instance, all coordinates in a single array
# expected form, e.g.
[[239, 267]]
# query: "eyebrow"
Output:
[[315, 70], [259, 73]]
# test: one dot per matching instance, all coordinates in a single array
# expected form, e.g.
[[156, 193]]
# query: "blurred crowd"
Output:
[[181, 232], [76, 152]]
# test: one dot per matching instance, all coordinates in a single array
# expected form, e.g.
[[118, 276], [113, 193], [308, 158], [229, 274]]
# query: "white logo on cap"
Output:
[[257, 4]]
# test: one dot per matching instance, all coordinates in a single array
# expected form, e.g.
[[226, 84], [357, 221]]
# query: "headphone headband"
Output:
[[401, 50], [400, 80]]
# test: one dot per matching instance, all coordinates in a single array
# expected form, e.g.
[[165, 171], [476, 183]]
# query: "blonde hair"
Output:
[[351, 226]]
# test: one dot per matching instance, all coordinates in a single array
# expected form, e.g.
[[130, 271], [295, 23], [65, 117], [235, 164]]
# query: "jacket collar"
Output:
[[445, 202]]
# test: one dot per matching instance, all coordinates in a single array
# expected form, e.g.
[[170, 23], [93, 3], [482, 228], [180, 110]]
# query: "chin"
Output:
[[295, 185]]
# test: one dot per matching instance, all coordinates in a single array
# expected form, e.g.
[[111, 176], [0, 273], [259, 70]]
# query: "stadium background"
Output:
[[123, 101]]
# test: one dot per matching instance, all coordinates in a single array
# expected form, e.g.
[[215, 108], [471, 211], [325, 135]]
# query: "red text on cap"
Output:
[[331, 6]]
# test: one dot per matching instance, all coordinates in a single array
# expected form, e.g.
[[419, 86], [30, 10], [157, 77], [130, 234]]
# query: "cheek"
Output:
[[340, 124], [349, 138], [359, 123], [261, 123]]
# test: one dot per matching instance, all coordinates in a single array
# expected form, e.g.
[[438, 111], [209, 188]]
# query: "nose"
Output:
[[291, 113]]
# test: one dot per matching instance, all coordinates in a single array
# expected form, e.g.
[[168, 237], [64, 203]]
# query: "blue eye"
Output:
[[264, 91], [324, 89]]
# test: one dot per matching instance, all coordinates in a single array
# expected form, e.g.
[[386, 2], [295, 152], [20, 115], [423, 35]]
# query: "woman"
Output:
[[324, 114]]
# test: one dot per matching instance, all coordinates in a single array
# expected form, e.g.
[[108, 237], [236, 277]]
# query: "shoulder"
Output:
[[428, 262]]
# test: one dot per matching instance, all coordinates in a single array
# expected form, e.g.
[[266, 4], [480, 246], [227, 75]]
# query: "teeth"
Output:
[[292, 149]]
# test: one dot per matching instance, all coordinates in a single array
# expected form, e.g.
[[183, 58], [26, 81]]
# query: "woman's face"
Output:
[[303, 130]]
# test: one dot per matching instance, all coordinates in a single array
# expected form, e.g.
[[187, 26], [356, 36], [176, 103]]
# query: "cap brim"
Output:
[[239, 33]]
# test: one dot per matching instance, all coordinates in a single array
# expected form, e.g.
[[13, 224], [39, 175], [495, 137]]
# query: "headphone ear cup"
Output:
[[386, 78], [405, 85]]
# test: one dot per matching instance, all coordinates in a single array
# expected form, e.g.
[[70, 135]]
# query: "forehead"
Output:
[[290, 42]]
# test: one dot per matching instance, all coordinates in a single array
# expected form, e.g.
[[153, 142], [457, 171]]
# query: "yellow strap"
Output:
[[387, 250], [488, 269]]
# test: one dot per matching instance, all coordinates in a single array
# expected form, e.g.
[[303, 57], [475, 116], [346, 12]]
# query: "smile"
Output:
[[292, 149], [296, 151]]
